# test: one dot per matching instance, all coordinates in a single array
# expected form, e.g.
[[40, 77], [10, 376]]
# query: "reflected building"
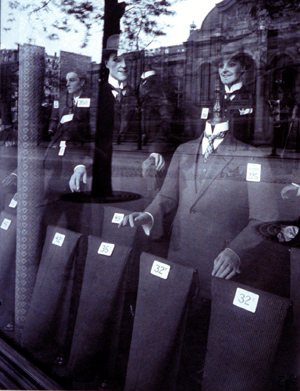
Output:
[[271, 43]]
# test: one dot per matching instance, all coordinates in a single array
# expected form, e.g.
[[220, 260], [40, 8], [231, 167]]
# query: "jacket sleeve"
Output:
[[263, 207], [168, 197]]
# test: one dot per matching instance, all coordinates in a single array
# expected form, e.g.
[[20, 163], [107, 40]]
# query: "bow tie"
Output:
[[117, 93], [211, 138], [229, 95]]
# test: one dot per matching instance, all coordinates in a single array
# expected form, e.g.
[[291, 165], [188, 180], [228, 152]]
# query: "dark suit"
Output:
[[214, 204], [58, 167], [76, 134], [239, 108], [103, 142], [115, 116], [240, 112], [215, 208]]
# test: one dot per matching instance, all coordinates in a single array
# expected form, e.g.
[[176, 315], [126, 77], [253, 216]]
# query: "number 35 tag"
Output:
[[160, 269], [246, 300], [106, 249]]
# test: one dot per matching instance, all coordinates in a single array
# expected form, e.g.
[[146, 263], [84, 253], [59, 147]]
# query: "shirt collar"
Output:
[[115, 83], [75, 99], [221, 127], [234, 87]]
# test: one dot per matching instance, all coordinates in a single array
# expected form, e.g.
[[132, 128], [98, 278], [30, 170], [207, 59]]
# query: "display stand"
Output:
[[47, 327], [96, 336], [162, 305], [245, 328]]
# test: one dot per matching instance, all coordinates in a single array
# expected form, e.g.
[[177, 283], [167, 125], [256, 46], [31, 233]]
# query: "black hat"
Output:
[[112, 44], [232, 51], [271, 230]]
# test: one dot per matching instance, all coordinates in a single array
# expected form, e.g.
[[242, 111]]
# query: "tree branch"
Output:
[[41, 7]]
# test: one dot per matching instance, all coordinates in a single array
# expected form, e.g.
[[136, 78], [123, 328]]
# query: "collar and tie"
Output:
[[117, 93], [229, 96], [230, 92], [211, 134], [211, 138]]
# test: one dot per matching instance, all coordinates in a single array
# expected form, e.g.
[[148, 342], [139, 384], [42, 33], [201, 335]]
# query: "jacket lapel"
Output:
[[213, 167]]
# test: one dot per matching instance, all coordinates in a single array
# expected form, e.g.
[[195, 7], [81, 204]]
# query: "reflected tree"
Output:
[[141, 22]]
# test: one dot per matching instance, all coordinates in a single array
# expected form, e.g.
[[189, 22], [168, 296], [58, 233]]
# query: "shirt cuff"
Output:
[[147, 227], [79, 165], [238, 258]]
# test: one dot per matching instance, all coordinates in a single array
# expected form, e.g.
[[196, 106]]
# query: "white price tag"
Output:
[[58, 239], [204, 113], [106, 249], [62, 148], [117, 218], [55, 104], [253, 172], [5, 224], [246, 300], [160, 269], [84, 102], [13, 203], [66, 118]]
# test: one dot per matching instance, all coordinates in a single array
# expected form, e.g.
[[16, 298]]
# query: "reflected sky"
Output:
[[187, 11]]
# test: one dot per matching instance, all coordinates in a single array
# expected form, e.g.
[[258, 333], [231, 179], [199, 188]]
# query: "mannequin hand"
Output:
[[226, 265], [78, 175], [135, 219]]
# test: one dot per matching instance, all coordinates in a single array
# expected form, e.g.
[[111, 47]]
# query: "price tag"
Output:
[[66, 118], [253, 172], [160, 269], [62, 148], [106, 249], [5, 224], [246, 300], [84, 102], [117, 218], [204, 113], [13, 202], [56, 104], [58, 239]]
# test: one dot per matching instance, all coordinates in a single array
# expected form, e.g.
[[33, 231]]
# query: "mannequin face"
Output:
[[230, 71], [117, 67], [74, 84]]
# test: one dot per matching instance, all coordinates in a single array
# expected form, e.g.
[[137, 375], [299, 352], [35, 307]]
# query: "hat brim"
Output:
[[247, 61], [270, 230], [109, 51]]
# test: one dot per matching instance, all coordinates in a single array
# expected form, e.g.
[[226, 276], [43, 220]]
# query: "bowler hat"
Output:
[[112, 44]]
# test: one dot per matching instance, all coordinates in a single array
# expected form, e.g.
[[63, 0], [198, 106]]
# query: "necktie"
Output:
[[211, 138], [229, 96], [119, 93]]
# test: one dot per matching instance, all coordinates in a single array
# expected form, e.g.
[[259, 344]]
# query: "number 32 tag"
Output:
[[160, 269], [246, 300]]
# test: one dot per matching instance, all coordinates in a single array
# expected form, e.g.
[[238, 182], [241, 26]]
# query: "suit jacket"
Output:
[[76, 134], [103, 142], [215, 205], [113, 117], [240, 112]]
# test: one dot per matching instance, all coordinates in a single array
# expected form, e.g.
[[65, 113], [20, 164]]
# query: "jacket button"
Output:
[[193, 211]]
